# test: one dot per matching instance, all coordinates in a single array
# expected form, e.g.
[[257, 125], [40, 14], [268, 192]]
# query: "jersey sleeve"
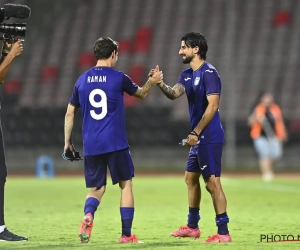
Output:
[[181, 79], [74, 100], [212, 82], [128, 85]]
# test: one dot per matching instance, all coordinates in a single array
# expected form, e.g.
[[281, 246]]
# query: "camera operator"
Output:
[[9, 52]]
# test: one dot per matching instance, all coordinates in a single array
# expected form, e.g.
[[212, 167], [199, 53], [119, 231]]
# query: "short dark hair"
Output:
[[193, 40], [104, 47]]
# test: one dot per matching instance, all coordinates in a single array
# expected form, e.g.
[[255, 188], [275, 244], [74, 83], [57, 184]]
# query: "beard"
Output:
[[187, 59]]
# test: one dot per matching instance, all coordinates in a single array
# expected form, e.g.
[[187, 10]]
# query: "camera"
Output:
[[12, 31]]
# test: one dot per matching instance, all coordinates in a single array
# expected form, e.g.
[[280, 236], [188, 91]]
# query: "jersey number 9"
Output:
[[101, 104]]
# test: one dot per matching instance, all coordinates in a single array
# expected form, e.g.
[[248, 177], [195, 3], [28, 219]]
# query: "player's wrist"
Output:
[[161, 84], [195, 134]]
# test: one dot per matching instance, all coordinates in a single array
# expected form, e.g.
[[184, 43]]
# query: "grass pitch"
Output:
[[49, 212]]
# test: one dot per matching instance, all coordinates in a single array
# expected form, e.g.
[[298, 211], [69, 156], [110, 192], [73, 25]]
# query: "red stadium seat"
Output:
[[142, 39], [12, 87], [282, 18], [49, 74], [124, 46], [86, 60], [294, 126], [136, 73]]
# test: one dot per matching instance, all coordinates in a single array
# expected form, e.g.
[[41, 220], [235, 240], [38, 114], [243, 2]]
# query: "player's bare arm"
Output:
[[153, 79], [212, 108], [69, 123], [142, 92], [172, 92], [6, 60]]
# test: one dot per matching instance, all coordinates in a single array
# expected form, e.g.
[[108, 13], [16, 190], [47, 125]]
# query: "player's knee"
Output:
[[102, 188], [191, 179], [126, 184], [212, 185], [98, 191]]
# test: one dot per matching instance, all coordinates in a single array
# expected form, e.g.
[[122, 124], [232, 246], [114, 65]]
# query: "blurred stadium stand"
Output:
[[58, 48]]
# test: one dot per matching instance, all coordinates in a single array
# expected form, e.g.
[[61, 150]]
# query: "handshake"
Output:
[[155, 76]]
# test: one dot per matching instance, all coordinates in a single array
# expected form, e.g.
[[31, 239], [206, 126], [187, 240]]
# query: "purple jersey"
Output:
[[99, 94], [198, 85]]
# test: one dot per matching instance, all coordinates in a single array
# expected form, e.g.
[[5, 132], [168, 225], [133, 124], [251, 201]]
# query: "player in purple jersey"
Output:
[[99, 93], [202, 86]]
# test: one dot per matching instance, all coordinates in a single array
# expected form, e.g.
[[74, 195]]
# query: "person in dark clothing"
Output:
[[9, 52]]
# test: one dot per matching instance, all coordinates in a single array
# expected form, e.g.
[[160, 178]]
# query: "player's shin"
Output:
[[127, 214], [222, 220], [126, 207], [193, 217], [91, 205], [93, 200]]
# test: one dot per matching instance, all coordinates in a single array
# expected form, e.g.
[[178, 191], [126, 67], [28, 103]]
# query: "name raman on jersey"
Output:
[[96, 79], [99, 94]]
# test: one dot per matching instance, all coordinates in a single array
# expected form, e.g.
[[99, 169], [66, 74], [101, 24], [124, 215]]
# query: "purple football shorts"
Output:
[[206, 159], [119, 163]]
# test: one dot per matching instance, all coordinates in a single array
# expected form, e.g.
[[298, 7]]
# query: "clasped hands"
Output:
[[155, 76]]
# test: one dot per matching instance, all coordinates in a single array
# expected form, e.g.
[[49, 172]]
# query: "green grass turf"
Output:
[[49, 213]]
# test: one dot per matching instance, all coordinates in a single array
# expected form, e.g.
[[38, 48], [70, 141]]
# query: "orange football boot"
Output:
[[86, 227], [187, 232], [219, 238], [129, 239]]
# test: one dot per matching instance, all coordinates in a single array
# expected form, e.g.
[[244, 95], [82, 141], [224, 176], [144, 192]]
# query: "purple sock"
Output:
[[91, 205], [222, 220], [127, 214], [193, 217]]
